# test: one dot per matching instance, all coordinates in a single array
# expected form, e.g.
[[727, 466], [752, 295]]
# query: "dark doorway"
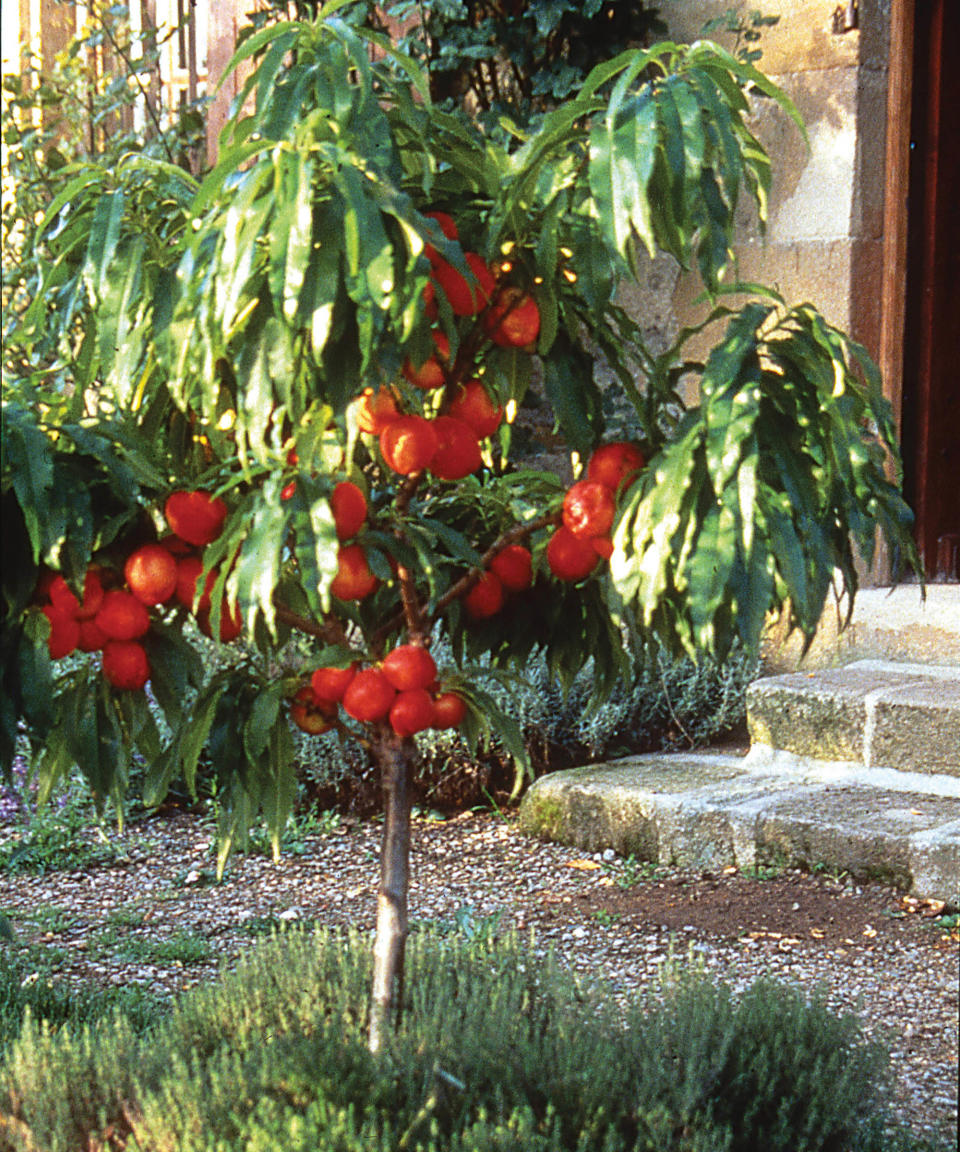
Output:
[[931, 366]]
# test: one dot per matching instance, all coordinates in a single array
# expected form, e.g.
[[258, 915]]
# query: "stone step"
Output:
[[888, 624], [712, 811], [875, 713]]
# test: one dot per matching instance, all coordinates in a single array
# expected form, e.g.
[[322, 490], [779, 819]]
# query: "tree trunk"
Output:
[[394, 756]]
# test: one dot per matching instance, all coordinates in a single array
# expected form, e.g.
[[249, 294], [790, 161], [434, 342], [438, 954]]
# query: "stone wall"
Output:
[[824, 231]]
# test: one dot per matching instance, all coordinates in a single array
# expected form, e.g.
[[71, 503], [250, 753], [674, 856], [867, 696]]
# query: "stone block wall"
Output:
[[824, 231]]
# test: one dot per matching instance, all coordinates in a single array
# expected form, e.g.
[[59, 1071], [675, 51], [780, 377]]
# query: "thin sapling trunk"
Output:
[[395, 756]]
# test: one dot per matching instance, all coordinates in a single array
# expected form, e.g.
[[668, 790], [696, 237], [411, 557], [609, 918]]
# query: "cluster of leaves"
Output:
[[208, 333], [520, 58]]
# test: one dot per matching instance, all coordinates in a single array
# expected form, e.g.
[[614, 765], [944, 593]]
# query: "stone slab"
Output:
[[917, 729], [875, 713], [715, 811], [900, 624]]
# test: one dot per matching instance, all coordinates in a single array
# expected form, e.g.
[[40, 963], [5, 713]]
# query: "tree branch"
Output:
[[514, 536], [331, 631]]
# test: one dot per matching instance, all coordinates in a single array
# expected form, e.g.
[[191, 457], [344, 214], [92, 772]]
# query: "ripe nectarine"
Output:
[[589, 509], [369, 696], [408, 444], [329, 684], [449, 710], [473, 405], [430, 374], [458, 450], [514, 566], [409, 666], [122, 616], [411, 712], [125, 664], [569, 557], [485, 598], [64, 632], [354, 580], [349, 507], [308, 716], [151, 574], [613, 463], [513, 320], [375, 410], [63, 599], [196, 517]]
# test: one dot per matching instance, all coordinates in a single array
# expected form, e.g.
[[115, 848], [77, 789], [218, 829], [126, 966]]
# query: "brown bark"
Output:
[[394, 757]]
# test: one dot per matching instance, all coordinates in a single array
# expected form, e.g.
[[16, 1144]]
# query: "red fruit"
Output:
[[308, 717], [589, 509], [449, 710], [354, 580], [188, 575], [473, 405], [329, 684], [64, 632], [458, 449], [514, 567], [64, 600], [151, 574], [349, 506], [569, 557], [122, 616], [288, 491], [513, 321], [125, 664], [603, 546], [92, 636], [409, 666], [614, 463], [408, 444], [411, 712], [430, 373], [485, 598], [369, 696], [447, 227], [467, 297], [196, 517], [231, 623], [375, 410]]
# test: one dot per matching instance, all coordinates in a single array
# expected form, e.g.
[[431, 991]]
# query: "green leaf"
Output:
[[261, 719], [104, 236], [573, 394]]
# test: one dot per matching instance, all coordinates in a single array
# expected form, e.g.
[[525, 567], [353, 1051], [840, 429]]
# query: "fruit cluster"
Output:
[[114, 619], [448, 445], [577, 545], [582, 540], [401, 690]]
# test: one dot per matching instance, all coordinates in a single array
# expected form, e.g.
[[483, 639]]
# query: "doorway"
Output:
[[931, 343]]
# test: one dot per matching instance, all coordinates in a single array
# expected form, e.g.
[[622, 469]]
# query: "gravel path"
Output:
[[894, 960]]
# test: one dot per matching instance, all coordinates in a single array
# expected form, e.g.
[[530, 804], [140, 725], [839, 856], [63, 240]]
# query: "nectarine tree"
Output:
[[302, 386]]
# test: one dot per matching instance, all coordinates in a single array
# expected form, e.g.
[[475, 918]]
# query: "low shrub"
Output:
[[498, 1049]]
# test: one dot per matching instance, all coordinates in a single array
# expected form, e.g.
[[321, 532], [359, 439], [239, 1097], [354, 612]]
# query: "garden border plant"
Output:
[[501, 1050], [276, 402]]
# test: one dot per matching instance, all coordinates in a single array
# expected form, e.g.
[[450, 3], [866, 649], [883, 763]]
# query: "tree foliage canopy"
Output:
[[215, 333]]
